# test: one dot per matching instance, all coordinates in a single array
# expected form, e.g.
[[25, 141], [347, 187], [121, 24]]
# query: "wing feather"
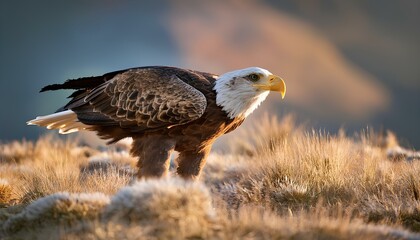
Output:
[[134, 99]]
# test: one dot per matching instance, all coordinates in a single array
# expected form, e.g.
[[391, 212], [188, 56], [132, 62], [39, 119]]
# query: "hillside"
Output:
[[276, 180]]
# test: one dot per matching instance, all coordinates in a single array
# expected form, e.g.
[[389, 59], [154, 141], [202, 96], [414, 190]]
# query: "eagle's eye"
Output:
[[254, 77]]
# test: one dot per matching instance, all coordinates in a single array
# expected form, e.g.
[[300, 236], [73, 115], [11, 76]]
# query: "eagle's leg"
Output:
[[154, 155], [190, 162]]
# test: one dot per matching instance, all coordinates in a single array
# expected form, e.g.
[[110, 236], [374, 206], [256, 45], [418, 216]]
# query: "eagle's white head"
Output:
[[240, 92]]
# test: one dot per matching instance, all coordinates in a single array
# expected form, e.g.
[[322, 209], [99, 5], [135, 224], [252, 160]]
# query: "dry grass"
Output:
[[53, 165], [286, 182]]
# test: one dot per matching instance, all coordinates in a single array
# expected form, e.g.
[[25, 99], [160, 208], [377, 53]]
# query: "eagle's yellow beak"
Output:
[[275, 83]]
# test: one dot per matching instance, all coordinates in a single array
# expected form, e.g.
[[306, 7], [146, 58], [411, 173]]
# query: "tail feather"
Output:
[[65, 121]]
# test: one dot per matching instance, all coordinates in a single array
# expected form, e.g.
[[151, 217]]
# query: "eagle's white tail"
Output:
[[65, 121]]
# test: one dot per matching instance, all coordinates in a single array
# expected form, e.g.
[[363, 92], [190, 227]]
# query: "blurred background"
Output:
[[348, 64]]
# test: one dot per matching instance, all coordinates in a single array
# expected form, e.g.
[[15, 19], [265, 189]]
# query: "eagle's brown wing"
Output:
[[138, 100]]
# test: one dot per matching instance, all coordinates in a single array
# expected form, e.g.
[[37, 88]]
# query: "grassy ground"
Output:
[[278, 181]]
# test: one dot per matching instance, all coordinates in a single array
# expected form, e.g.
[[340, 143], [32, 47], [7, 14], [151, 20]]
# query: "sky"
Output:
[[346, 64]]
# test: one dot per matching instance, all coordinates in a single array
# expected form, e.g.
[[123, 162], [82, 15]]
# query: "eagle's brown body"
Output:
[[163, 109], [98, 102]]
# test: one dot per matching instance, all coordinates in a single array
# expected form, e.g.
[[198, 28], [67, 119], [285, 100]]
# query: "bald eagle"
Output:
[[163, 109]]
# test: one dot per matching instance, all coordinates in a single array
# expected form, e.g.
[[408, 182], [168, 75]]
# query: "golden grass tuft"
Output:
[[298, 169], [5, 193], [16, 152]]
